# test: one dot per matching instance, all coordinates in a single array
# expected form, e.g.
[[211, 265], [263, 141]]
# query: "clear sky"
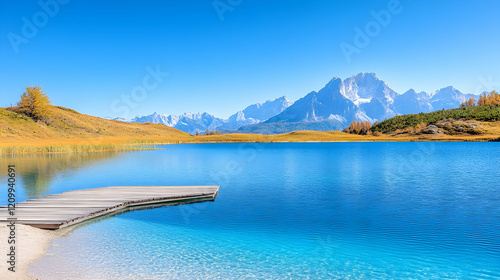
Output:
[[90, 55]]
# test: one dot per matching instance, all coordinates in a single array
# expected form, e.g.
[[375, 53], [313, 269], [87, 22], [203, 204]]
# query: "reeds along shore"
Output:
[[73, 148], [23, 146]]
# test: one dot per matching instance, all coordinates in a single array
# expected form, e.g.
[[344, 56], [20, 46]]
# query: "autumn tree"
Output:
[[34, 103], [492, 99], [365, 127], [469, 103]]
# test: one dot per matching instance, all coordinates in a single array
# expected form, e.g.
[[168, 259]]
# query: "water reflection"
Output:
[[36, 172]]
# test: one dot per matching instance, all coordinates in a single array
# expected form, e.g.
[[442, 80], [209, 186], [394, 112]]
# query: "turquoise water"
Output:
[[290, 211]]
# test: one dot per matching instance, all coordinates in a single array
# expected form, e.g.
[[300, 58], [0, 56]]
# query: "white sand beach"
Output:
[[31, 243]]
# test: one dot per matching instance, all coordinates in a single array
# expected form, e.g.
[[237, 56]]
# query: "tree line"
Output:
[[361, 128], [491, 99]]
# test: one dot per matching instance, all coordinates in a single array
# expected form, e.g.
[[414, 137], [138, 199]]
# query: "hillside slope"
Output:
[[67, 123], [478, 113]]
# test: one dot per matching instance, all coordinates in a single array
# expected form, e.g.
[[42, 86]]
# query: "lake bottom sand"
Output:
[[30, 244]]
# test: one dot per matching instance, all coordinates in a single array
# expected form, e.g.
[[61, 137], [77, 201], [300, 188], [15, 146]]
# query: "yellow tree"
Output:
[[469, 103], [472, 101], [34, 103], [482, 100], [495, 98], [487, 99], [368, 125]]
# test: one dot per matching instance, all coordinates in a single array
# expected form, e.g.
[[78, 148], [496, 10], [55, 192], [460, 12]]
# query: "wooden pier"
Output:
[[72, 207]]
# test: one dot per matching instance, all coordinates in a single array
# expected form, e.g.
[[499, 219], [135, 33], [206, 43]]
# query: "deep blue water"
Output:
[[286, 211]]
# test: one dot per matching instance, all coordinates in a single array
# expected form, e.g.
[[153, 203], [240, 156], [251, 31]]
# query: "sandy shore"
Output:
[[31, 243]]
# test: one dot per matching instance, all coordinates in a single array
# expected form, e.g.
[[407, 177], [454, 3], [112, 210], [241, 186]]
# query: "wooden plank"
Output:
[[71, 207]]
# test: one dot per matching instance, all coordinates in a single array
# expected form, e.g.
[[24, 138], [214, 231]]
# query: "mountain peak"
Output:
[[364, 87], [256, 113], [283, 98], [366, 75], [410, 91], [335, 82], [448, 88]]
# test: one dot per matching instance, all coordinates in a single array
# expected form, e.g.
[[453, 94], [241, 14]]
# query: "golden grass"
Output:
[[70, 131], [337, 136]]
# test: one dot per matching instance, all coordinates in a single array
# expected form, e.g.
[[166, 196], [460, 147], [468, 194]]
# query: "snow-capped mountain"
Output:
[[362, 97], [365, 86], [187, 122], [118, 119], [447, 98], [358, 98], [192, 123], [412, 102], [170, 120], [326, 104], [372, 96], [256, 113]]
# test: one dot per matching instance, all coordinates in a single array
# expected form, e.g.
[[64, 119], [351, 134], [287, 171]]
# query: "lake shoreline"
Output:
[[31, 244], [26, 146]]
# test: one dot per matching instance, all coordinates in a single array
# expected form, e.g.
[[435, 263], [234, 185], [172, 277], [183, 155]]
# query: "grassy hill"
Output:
[[478, 113], [64, 122], [68, 130]]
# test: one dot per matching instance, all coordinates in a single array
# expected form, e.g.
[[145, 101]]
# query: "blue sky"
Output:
[[93, 55]]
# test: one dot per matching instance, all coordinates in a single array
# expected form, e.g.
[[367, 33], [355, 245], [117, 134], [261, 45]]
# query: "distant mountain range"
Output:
[[187, 122], [256, 113], [191, 123], [363, 97]]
